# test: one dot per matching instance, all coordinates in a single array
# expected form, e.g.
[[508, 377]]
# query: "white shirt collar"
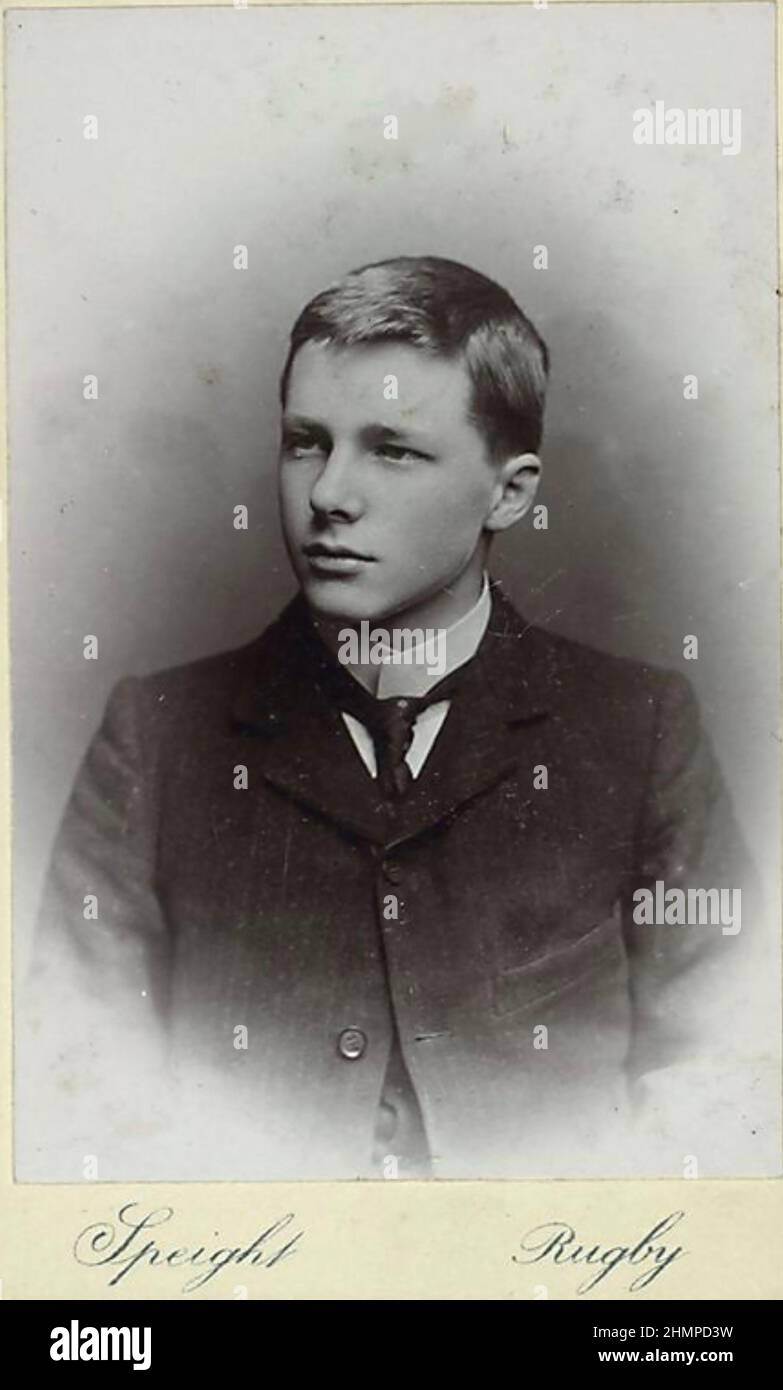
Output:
[[460, 642]]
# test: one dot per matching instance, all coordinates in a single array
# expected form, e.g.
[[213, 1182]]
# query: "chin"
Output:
[[338, 599], [333, 599]]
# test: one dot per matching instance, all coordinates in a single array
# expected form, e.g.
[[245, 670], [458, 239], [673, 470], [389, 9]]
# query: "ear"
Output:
[[514, 492]]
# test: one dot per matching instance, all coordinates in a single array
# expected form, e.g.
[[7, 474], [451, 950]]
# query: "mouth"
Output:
[[335, 559]]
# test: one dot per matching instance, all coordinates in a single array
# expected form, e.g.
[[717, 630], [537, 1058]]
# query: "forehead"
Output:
[[348, 386]]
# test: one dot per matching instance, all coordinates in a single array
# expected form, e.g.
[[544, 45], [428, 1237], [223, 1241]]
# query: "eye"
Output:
[[302, 445], [398, 453]]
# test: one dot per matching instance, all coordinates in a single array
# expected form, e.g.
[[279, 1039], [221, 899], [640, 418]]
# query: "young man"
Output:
[[331, 915]]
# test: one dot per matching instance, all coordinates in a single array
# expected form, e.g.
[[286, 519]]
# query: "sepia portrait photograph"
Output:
[[394, 629]]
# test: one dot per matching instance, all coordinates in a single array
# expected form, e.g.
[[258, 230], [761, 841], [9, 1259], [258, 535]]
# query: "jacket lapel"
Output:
[[306, 751], [302, 745], [505, 689]]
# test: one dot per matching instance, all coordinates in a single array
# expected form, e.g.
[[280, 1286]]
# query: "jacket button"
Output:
[[351, 1044], [392, 871]]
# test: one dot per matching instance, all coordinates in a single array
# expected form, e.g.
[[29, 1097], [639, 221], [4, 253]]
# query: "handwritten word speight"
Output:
[[105, 1244]]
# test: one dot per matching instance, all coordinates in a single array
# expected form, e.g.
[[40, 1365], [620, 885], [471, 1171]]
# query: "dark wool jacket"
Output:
[[204, 944]]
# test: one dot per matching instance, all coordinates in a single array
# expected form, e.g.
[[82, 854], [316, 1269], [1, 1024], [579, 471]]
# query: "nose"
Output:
[[335, 492]]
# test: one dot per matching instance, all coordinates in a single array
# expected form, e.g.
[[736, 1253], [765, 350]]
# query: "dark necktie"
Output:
[[390, 723]]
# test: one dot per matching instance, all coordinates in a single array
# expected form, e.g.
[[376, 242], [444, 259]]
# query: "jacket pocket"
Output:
[[592, 964]]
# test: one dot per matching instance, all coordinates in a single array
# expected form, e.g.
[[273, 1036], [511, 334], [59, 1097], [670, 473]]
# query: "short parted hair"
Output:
[[451, 311]]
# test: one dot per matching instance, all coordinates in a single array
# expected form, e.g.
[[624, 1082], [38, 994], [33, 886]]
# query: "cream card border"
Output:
[[450, 1240]]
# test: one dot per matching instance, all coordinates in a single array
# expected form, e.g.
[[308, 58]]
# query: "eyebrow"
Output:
[[372, 433], [301, 420], [380, 434]]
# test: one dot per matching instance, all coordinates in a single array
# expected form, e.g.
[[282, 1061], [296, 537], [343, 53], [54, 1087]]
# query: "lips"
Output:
[[318, 550], [335, 561]]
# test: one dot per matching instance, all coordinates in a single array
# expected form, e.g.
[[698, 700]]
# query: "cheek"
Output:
[[293, 490], [449, 515]]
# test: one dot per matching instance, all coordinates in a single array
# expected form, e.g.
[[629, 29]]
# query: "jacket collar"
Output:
[[307, 751]]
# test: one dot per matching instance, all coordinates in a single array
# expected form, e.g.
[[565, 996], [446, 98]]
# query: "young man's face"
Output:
[[383, 501]]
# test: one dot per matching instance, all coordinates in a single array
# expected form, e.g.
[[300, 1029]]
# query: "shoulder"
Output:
[[208, 685], [564, 672], [631, 713], [604, 673]]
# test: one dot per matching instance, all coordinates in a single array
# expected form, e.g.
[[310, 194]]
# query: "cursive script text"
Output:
[[123, 1245], [558, 1242]]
